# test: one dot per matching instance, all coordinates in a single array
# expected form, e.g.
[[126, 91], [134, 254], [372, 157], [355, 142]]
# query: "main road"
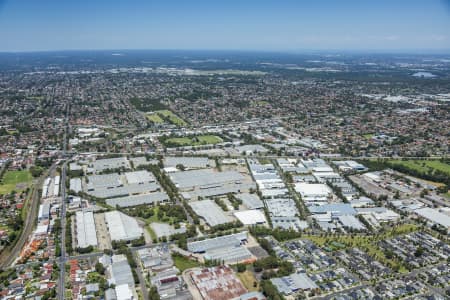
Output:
[[62, 259]]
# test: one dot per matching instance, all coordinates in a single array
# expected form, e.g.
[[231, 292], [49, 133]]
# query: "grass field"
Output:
[[184, 263], [12, 178], [423, 166], [196, 141], [173, 118], [155, 118], [248, 279]]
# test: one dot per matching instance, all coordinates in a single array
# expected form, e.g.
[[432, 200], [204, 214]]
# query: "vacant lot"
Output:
[[194, 141], [248, 280], [15, 180], [184, 263]]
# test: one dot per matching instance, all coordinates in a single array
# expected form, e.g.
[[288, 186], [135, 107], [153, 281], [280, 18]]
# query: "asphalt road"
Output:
[[141, 277], [62, 259]]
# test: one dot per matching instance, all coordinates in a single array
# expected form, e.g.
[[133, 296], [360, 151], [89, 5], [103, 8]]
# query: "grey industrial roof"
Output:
[[122, 227], [75, 167], [281, 207], [110, 294], [221, 190], [75, 185], [293, 283], [289, 223], [85, 227], [142, 176], [121, 273], [151, 198], [252, 201], [103, 181], [140, 161], [110, 163], [163, 229], [266, 176], [351, 222], [210, 211], [252, 148], [434, 215], [204, 177], [188, 162], [229, 254], [340, 208], [125, 190], [218, 242]]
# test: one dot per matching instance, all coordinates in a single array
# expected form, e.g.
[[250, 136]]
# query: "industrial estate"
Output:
[[150, 176]]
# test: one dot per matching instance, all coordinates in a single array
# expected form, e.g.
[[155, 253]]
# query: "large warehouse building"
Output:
[[85, 228], [116, 185], [210, 212], [122, 227], [208, 183]]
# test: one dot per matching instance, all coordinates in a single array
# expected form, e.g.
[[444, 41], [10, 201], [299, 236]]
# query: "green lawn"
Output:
[[184, 263], [423, 166], [155, 118], [12, 178], [173, 118], [195, 141]]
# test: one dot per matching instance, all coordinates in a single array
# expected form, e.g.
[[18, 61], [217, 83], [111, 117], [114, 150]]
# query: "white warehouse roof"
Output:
[[312, 189], [86, 235], [434, 216], [122, 227], [251, 217]]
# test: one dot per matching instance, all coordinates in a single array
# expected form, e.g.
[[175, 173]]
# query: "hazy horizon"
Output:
[[268, 26]]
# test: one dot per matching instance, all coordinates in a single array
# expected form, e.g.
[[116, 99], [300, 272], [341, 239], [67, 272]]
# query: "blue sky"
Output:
[[282, 25]]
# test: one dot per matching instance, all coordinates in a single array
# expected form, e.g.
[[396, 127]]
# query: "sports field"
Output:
[[195, 141], [173, 118], [14, 180], [155, 118]]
